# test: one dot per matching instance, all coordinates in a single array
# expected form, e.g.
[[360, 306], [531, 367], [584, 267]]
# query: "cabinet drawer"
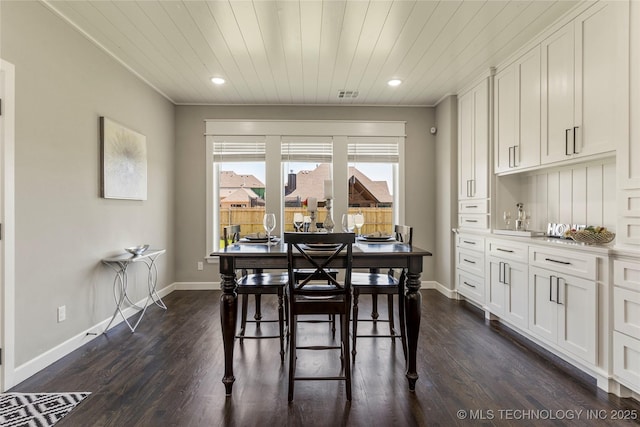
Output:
[[475, 221], [566, 262], [508, 250], [474, 206], [472, 243], [626, 274], [472, 262], [626, 311], [470, 286], [626, 359]]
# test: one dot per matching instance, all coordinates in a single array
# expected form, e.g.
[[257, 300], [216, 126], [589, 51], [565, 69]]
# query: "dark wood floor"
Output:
[[168, 373]]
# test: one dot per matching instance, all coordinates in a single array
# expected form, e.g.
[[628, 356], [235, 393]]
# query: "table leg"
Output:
[[413, 301], [228, 316]]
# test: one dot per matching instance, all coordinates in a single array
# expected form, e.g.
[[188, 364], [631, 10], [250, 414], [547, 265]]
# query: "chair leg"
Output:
[[356, 294], [332, 318], [258, 315], [343, 351], [374, 308], [281, 325], [392, 327], [292, 354], [243, 320]]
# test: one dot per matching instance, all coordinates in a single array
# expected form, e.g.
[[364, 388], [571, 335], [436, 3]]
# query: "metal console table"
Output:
[[119, 264]]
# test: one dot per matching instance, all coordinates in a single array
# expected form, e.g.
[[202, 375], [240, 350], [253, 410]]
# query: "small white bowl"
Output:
[[137, 250]]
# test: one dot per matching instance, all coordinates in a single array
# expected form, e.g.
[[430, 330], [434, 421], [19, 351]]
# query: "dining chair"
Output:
[[319, 294], [257, 284], [375, 283]]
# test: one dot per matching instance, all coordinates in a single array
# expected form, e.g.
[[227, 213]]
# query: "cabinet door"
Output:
[[465, 145], [495, 287], [473, 145], [481, 141], [516, 294], [506, 117], [577, 323], [527, 153], [557, 95], [601, 70], [543, 310]]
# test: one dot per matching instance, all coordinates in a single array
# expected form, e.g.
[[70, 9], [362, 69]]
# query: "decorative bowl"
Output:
[[137, 250], [591, 237]]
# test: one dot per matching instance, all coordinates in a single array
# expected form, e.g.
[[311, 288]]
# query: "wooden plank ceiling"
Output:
[[307, 51]]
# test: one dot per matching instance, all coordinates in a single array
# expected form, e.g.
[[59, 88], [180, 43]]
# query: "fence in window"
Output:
[[250, 219]]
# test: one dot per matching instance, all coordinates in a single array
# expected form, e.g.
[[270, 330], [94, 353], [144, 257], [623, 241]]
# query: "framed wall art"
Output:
[[124, 162]]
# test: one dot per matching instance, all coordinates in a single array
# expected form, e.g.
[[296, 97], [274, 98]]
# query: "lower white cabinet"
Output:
[[506, 292], [563, 311], [626, 322], [470, 286]]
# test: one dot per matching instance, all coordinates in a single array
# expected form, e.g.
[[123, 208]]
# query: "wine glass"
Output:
[[527, 221], [298, 220], [269, 223], [506, 216], [358, 221], [348, 223]]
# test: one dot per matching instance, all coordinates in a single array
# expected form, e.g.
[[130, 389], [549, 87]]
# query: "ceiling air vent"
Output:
[[348, 94]]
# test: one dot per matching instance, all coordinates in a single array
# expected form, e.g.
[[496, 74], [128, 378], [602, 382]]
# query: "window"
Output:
[[373, 178], [306, 165], [239, 182], [273, 166]]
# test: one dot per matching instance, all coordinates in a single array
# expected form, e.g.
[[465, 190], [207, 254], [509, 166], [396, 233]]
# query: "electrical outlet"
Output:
[[62, 313], [200, 266]]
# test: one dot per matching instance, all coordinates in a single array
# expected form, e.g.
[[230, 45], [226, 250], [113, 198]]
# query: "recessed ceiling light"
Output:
[[394, 82], [217, 80]]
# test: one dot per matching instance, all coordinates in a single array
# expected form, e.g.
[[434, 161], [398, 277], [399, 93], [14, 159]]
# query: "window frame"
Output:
[[274, 131]]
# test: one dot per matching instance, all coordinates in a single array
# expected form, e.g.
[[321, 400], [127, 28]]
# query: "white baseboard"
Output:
[[196, 286], [50, 356]]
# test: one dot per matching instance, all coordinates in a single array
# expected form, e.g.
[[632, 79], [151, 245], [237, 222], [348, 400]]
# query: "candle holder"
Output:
[[313, 226], [328, 221]]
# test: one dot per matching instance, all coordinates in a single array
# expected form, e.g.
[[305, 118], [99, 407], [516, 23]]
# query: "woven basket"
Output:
[[591, 238]]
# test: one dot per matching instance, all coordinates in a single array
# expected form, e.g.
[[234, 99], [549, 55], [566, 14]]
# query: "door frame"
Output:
[[7, 219]]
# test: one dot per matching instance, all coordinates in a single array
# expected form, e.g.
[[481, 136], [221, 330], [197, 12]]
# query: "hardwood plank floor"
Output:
[[169, 372]]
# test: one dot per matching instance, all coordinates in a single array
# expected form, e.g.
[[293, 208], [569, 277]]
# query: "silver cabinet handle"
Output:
[[469, 243], [468, 260], [500, 272], [504, 250], [558, 290], [471, 220], [551, 289], [558, 262], [566, 142], [575, 129], [472, 206], [469, 284]]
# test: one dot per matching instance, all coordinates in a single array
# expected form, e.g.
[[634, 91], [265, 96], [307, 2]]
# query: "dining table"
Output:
[[273, 255]]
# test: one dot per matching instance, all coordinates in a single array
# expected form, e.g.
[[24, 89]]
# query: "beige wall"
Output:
[[64, 83], [446, 196], [190, 172]]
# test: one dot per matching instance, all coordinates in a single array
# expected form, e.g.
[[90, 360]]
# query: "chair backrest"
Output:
[[404, 233], [321, 252], [230, 234]]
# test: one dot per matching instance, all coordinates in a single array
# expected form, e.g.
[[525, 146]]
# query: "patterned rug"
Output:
[[36, 409]]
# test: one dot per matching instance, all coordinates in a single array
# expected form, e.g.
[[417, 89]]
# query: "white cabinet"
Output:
[[563, 311], [473, 143], [506, 291], [470, 267], [626, 322], [517, 114], [584, 66]]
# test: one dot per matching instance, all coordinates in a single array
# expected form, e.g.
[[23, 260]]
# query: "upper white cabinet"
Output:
[[517, 114], [584, 67], [473, 143]]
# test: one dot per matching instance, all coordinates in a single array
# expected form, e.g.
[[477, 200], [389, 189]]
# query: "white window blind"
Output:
[[373, 150], [307, 149], [238, 148]]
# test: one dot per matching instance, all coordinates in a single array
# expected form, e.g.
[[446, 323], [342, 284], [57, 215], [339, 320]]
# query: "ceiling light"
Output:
[[217, 80], [394, 82]]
